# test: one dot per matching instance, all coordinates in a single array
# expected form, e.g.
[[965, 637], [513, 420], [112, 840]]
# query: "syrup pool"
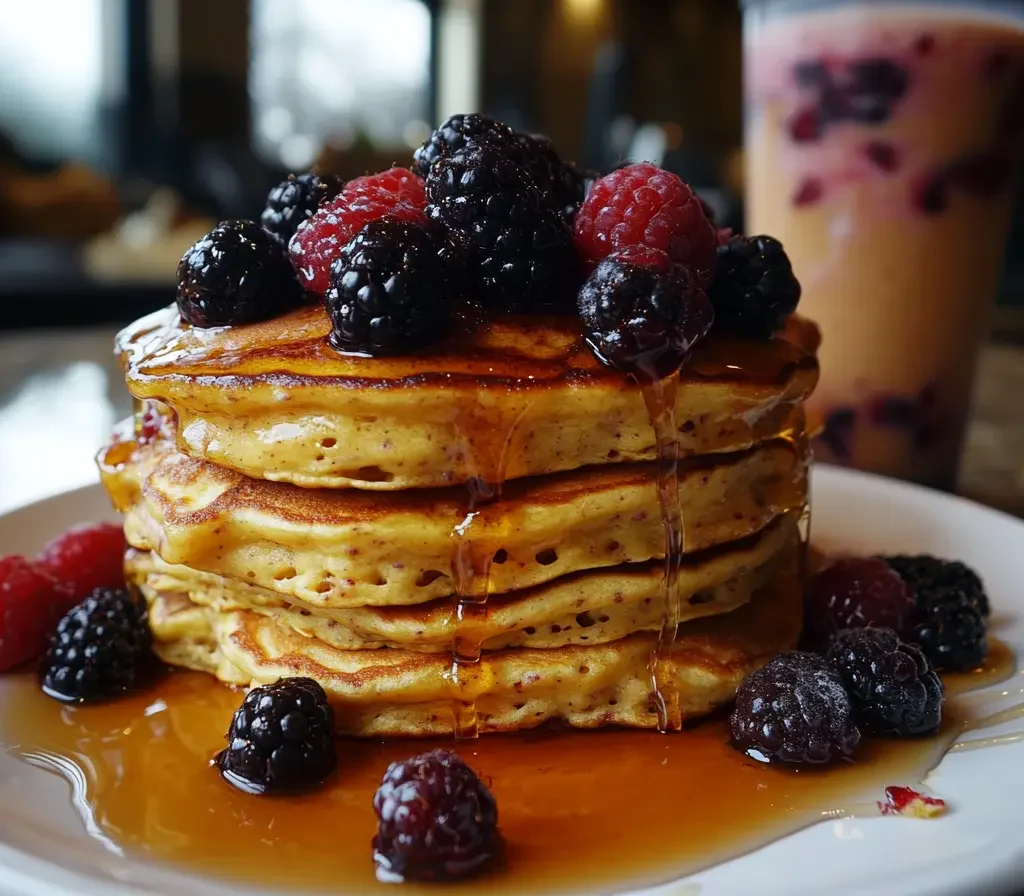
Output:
[[576, 808]]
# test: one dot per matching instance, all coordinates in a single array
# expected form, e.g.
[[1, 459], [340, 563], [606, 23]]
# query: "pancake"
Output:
[[403, 693], [335, 549], [585, 608], [521, 396]]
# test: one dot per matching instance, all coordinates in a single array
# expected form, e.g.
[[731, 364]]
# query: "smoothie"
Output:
[[882, 143]]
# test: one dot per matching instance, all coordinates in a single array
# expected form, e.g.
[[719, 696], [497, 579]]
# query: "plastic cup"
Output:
[[882, 142]]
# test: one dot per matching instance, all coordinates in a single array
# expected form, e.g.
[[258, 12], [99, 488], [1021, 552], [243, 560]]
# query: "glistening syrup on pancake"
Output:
[[660, 398], [488, 448], [622, 784]]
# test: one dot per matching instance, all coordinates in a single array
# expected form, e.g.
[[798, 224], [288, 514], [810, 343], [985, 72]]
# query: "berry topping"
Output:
[[951, 630], [86, 557], [927, 575], [642, 204], [641, 313], [395, 193], [855, 593], [390, 290], [562, 185], [755, 289], [295, 199], [281, 738], [101, 648], [235, 274], [910, 803], [456, 133], [794, 710], [31, 602], [519, 251], [438, 820], [893, 687]]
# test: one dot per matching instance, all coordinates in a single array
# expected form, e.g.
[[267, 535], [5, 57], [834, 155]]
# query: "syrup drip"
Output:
[[489, 448], [660, 398]]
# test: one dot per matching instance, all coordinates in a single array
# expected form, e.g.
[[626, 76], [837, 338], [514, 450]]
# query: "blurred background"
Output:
[[128, 126]]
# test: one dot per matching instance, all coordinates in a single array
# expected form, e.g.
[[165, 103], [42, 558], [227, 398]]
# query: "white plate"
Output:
[[977, 848]]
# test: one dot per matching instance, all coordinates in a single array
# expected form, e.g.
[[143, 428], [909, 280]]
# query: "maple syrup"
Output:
[[660, 398], [576, 808]]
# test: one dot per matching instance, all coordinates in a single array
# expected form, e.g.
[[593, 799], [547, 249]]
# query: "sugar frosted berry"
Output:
[[101, 648], [927, 575], [31, 602], [754, 289], [281, 738], [396, 193], [87, 557], [455, 133], [436, 820], [295, 199], [855, 593], [951, 631], [236, 274], [894, 689], [794, 710], [641, 313], [390, 290], [644, 205], [519, 253]]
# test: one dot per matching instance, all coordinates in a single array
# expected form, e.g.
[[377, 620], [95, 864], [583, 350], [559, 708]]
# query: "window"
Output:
[[52, 75], [338, 70]]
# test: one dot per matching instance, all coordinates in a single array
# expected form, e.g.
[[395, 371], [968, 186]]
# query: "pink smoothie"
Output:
[[882, 143]]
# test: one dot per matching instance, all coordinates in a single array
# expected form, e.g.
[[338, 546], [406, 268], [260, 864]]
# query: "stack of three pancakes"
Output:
[[295, 511]]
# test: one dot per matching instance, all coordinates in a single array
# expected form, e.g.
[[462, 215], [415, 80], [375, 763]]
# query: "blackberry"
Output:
[[389, 289], [437, 820], [281, 738], [951, 631], [520, 253], [927, 575], [893, 687], [100, 648], [295, 199], [235, 274], [457, 132], [641, 319], [754, 289], [855, 593], [794, 710], [563, 186]]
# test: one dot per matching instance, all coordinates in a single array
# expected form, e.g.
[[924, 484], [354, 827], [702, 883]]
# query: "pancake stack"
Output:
[[296, 511]]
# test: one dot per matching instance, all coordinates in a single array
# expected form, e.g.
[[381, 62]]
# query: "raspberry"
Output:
[[754, 289], [794, 710], [389, 290], [893, 687], [643, 317], [281, 738], [101, 648], [855, 593], [562, 185], [519, 251], [235, 274], [295, 199], [86, 557], [644, 204], [951, 631], [396, 193], [437, 819], [456, 133], [928, 575], [31, 602]]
